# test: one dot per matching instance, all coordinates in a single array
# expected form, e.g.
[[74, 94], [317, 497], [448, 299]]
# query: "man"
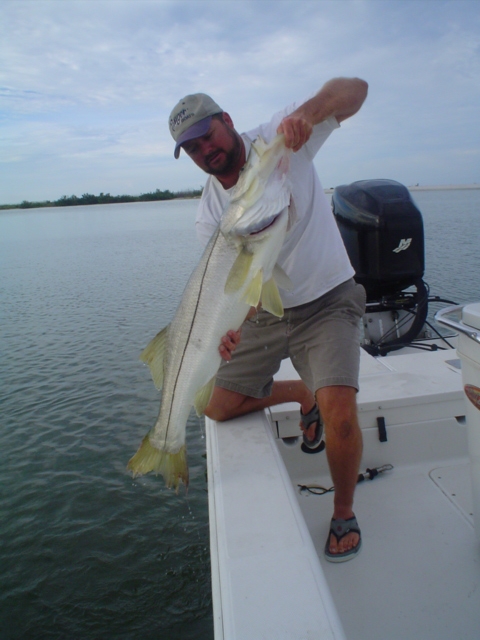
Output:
[[320, 328]]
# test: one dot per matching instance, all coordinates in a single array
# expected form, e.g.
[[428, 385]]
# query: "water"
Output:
[[452, 240], [85, 551]]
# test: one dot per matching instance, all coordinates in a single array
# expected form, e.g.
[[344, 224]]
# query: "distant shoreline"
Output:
[[190, 195], [104, 198]]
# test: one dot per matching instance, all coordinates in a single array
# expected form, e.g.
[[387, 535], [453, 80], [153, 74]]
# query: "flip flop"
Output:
[[340, 528], [308, 419]]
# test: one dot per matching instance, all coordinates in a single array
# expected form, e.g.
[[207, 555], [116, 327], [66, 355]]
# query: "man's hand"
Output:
[[229, 344], [296, 129], [339, 97]]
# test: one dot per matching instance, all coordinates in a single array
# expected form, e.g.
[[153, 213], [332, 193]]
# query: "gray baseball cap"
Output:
[[191, 118]]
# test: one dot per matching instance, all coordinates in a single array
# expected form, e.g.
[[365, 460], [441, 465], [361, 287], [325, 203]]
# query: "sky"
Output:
[[86, 87]]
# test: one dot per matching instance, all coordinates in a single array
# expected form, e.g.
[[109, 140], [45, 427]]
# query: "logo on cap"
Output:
[[180, 118]]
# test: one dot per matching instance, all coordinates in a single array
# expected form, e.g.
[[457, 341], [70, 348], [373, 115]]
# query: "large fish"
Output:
[[237, 271]]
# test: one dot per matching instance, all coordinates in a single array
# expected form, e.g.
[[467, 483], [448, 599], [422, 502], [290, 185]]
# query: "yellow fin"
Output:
[[202, 397], [271, 300], [154, 354], [239, 271], [254, 291], [172, 466]]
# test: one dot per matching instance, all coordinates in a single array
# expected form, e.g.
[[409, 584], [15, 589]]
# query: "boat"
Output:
[[417, 575]]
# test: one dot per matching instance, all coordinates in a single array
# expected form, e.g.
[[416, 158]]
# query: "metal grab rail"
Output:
[[458, 325]]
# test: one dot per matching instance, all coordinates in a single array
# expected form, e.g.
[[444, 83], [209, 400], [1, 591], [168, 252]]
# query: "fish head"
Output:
[[255, 273], [265, 230], [262, 192]]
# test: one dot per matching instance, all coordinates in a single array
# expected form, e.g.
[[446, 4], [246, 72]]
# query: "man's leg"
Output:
[[254, 370], [343, 439], [342, 434], [226, 404]]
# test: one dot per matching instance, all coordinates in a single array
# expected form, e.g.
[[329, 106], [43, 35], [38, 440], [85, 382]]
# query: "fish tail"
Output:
[[172, 466]]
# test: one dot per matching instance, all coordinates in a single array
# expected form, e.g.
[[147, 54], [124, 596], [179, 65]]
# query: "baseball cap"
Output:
[[191, 118]]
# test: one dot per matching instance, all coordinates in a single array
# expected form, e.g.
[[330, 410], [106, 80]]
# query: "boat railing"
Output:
[[443, 317]]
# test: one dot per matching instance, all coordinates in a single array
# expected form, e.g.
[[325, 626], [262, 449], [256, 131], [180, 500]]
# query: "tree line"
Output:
[[105, 198]]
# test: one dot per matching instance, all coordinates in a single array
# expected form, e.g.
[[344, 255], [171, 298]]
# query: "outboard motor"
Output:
[[382, 230]]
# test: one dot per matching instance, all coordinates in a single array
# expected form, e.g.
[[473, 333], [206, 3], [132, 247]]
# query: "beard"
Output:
[[231, 157]]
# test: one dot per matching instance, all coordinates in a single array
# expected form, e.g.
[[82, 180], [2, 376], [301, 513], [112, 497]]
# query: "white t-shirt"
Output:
[[313, 255]]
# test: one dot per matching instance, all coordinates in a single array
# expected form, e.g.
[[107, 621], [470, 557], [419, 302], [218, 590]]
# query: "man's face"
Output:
[[219, 150]]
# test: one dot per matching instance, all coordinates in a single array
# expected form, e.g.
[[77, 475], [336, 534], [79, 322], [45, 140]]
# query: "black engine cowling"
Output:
[[383, 233], [382, 230]]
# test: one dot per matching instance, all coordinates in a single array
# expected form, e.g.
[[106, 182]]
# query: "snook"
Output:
[[234, 273]]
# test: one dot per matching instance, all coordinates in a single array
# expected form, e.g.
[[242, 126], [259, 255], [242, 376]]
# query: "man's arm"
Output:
[[339, 97]]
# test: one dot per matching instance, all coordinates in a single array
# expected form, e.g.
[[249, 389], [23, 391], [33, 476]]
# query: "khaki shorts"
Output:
[[322, 338]]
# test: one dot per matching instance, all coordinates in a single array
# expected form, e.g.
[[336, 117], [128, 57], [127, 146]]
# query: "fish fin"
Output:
[[154, 355], [254, 290], [239, 271], [281, 278], [271, 300], [202, 397], [172, 466]]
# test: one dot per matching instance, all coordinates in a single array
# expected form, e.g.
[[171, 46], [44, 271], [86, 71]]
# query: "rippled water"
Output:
[[85, 551], [452, 242]]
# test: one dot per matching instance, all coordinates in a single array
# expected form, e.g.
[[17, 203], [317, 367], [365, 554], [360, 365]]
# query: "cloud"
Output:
[[88, 86]]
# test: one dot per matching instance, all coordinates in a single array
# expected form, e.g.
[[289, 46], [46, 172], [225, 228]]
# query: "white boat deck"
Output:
[[418, 573]]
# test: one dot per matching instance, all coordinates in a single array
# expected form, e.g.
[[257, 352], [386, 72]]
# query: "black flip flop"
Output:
[[340, 528], [308, 419]]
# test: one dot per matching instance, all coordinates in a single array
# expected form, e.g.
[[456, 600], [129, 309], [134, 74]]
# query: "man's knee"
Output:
[[338, 408], [214, 412], [344, 429], [224, 404]]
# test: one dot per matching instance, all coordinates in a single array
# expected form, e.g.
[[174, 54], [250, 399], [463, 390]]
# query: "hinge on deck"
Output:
[[382, 429]]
